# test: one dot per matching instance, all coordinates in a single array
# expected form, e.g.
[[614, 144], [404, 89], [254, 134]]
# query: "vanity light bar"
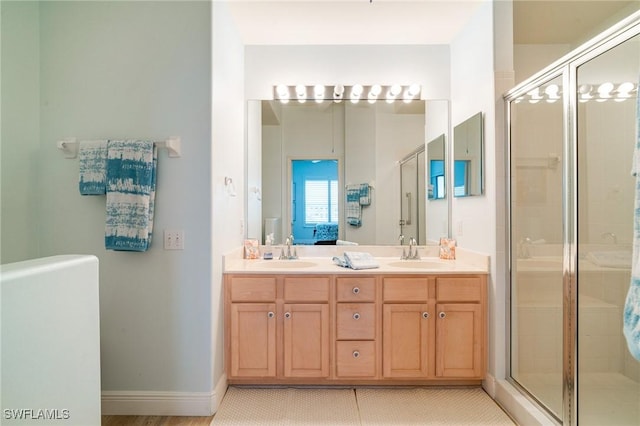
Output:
[[338, 92], [617, 92]]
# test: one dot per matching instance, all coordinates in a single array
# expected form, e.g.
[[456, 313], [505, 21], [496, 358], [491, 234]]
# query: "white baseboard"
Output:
[[218, 393], [489, 385], [152, 403], [519, 407]]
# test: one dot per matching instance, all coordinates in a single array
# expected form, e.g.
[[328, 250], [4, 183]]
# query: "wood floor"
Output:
[[155, 421]]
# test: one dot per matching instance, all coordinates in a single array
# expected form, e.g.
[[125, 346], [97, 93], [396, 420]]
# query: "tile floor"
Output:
[[361, 406]]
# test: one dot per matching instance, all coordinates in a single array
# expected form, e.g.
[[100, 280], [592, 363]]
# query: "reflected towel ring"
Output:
[[229, 186]]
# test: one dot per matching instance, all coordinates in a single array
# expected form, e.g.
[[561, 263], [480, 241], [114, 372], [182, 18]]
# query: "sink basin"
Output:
[[285, 264], [419, 264]]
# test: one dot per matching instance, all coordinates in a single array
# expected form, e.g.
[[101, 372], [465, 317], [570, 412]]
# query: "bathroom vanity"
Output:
[[310, 322]]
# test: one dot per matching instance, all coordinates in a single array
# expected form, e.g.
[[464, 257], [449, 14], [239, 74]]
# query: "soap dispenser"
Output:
[[268, 252]]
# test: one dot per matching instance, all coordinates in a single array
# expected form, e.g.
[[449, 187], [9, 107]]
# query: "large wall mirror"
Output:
[[331, 172], [468, 158]]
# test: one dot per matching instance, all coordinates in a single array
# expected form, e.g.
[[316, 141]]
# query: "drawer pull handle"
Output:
[[425, 315], [356, 290], [356, 354], [271, 315], [287, 315], [442, 315], [356, 316]]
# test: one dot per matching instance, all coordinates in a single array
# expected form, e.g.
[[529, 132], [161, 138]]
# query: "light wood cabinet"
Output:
[[285, 328], [253, 339], [306, 340], [407, 340]]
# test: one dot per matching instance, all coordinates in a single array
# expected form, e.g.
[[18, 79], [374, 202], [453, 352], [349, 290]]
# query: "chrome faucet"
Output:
[[288, 256], [413, 245], [523, 248], [413, 250]]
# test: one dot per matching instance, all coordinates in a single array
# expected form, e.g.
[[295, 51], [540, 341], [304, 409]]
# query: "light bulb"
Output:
[[395, 90], [318, 90], [301, 91], [375, 90], [604, 90], [414, 90], [338, 90], [356, 90]]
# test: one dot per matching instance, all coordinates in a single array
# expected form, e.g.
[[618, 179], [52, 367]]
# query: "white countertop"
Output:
[[318, 260]]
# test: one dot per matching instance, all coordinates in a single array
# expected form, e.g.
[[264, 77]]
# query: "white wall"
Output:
[[227, 159], [267, 66], [472, 91], [132, 70], [20, 88]]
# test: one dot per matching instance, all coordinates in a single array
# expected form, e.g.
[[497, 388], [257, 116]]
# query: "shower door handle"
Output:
[[408, 221]]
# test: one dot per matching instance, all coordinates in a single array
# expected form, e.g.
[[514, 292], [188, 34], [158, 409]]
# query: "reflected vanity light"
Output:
[[319, 93], [603, 92]]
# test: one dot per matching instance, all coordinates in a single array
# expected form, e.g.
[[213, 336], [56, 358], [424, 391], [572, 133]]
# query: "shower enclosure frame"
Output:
[[567, 69]]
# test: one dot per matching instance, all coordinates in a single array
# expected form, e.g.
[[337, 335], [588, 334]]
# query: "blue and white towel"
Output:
[[131, 187], [631, 319], [353, 210], [365, 194], [92, 161]]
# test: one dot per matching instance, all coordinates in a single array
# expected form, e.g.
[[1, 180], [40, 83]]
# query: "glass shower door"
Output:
[[536, 198], [608, 376]]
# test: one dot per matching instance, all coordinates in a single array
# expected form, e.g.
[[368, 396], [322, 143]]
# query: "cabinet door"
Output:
[[253, 340], [306, 340], [405, 343], [459, 340]]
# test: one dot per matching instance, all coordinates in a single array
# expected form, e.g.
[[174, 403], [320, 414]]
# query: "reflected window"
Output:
[[436, 179]]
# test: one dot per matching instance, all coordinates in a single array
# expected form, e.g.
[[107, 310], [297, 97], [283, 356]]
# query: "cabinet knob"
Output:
[[442, 315], [356, 354], [356, 290], [271, 315], [425, 315], [356, 316], [287, 315]]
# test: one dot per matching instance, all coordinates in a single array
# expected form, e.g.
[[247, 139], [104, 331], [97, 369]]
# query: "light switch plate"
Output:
[[173, 239]]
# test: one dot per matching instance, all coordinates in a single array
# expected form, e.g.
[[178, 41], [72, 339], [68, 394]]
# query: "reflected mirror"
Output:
[[436, 169], [363, 144], [468, 157]]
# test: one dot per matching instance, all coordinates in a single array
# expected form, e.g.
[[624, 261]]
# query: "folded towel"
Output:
[[360, 260], [92, 161], [353, 210], [131, 185], [345, 243]]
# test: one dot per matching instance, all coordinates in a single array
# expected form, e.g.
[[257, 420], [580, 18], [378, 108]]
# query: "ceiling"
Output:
[[331, 22]]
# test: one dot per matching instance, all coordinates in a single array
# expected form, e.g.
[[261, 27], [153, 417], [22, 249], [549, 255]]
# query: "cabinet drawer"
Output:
[[306, 289], [405, 289], [356, 289], [355, 359], [253, 289], [356, 321], [459, 289]]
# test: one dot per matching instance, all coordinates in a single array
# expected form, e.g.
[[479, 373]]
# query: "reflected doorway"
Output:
[[314, 201]]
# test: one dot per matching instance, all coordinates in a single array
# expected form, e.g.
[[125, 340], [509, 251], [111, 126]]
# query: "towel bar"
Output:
[[173, 145]]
